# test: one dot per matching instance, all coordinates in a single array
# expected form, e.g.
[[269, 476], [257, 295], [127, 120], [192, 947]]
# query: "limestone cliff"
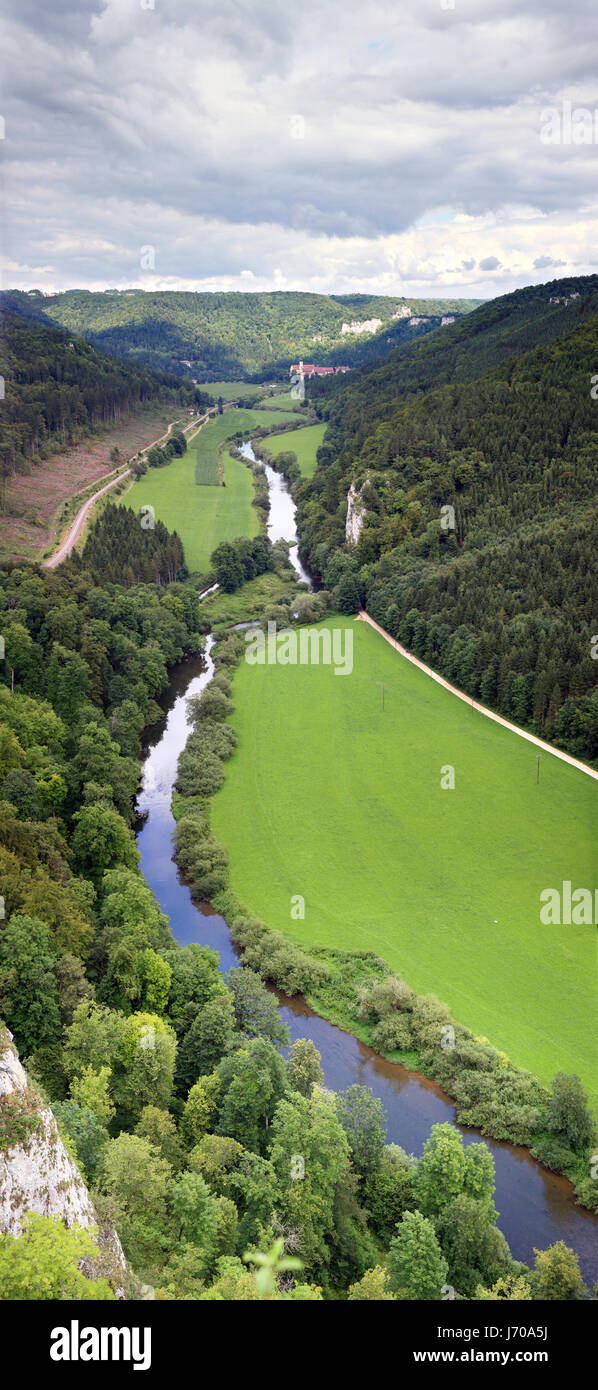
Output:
[[355, 515], [36, 1171]]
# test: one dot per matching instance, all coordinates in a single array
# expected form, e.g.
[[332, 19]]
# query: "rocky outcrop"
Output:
[[362, 326], [36, 1171], [356, 513]]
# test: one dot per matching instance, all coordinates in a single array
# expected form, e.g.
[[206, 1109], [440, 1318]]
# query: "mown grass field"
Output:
[[330, 797], [283, 401], [204, 515], [303, 442]]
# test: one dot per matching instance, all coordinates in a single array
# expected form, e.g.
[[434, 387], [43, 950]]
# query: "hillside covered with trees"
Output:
[[170, 1086], [207, 336], [478, 502], [58, 388]]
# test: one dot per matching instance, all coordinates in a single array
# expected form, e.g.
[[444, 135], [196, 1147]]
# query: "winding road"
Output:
[[531, 738], [77, 525]]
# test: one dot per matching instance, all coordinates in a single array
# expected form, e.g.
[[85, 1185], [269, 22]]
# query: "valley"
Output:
[[351, 830]]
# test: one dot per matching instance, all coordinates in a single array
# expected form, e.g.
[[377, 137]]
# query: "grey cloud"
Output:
[[542, 262], [139, 122]]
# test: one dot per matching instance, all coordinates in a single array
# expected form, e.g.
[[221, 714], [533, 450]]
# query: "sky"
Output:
[[416, 148]]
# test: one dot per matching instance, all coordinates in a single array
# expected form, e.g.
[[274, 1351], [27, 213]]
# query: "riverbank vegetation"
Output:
[[169, 1086]]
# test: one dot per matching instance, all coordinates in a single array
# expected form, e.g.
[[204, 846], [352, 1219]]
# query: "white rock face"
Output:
[[38, 1175], [363, 326], [355, 515], [403, 312]]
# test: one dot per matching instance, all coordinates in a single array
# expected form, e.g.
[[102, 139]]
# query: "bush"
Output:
[[554, 1153], [383, 997], [393, 1032]]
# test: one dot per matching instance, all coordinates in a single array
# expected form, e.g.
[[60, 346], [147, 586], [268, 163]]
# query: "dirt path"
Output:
[[77, 525], [531, 738]]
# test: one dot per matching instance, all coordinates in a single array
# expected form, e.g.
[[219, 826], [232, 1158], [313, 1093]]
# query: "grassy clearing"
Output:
[[332, 798], [232, 390], [205, 515], [303, 442], [284, 401], [224, 610]]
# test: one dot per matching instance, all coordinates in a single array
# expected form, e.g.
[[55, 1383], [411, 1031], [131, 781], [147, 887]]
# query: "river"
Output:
[[536, 1207], [281, 519]]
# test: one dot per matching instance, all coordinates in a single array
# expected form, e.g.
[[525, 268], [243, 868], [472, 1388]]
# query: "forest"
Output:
[[237, 336], [58, 389], [478, 503], [171, 1088]]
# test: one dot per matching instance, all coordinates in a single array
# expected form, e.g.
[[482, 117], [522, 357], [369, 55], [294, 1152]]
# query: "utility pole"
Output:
[[383, 684]]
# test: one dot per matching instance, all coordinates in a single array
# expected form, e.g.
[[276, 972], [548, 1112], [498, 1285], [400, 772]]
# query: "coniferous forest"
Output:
[[58, 388]]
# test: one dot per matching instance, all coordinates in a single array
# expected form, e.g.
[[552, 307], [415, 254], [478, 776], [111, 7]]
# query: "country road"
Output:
[[75, 529], [497, 718], [77, 525]]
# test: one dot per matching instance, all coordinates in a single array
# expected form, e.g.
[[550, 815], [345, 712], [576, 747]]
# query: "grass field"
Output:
[[231, 390], [204, 515], [303, 442], [330, 797], [223, 610], [284, 401]]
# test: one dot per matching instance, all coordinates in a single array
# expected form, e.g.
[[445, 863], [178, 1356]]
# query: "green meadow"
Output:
[[231, 390], [281, 401], [334, 798], [303, 442], [206, 514]]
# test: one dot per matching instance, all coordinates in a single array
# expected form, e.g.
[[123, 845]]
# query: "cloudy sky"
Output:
[[413, 147]]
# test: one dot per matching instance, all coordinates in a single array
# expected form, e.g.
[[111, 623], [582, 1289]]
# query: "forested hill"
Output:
[[475, 344], [236, 335], [478, 544], [59, 388]]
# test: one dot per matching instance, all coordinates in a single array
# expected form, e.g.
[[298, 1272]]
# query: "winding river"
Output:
[[536, 1207]]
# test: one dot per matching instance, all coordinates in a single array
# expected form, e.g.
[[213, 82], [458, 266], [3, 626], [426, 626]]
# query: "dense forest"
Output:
[[493, 334], [58, 389], [210, 336], [124, 548], [477, 501], [229, 1172]]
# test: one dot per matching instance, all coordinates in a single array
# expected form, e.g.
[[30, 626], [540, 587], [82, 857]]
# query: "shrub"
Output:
[[392, 1032]]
